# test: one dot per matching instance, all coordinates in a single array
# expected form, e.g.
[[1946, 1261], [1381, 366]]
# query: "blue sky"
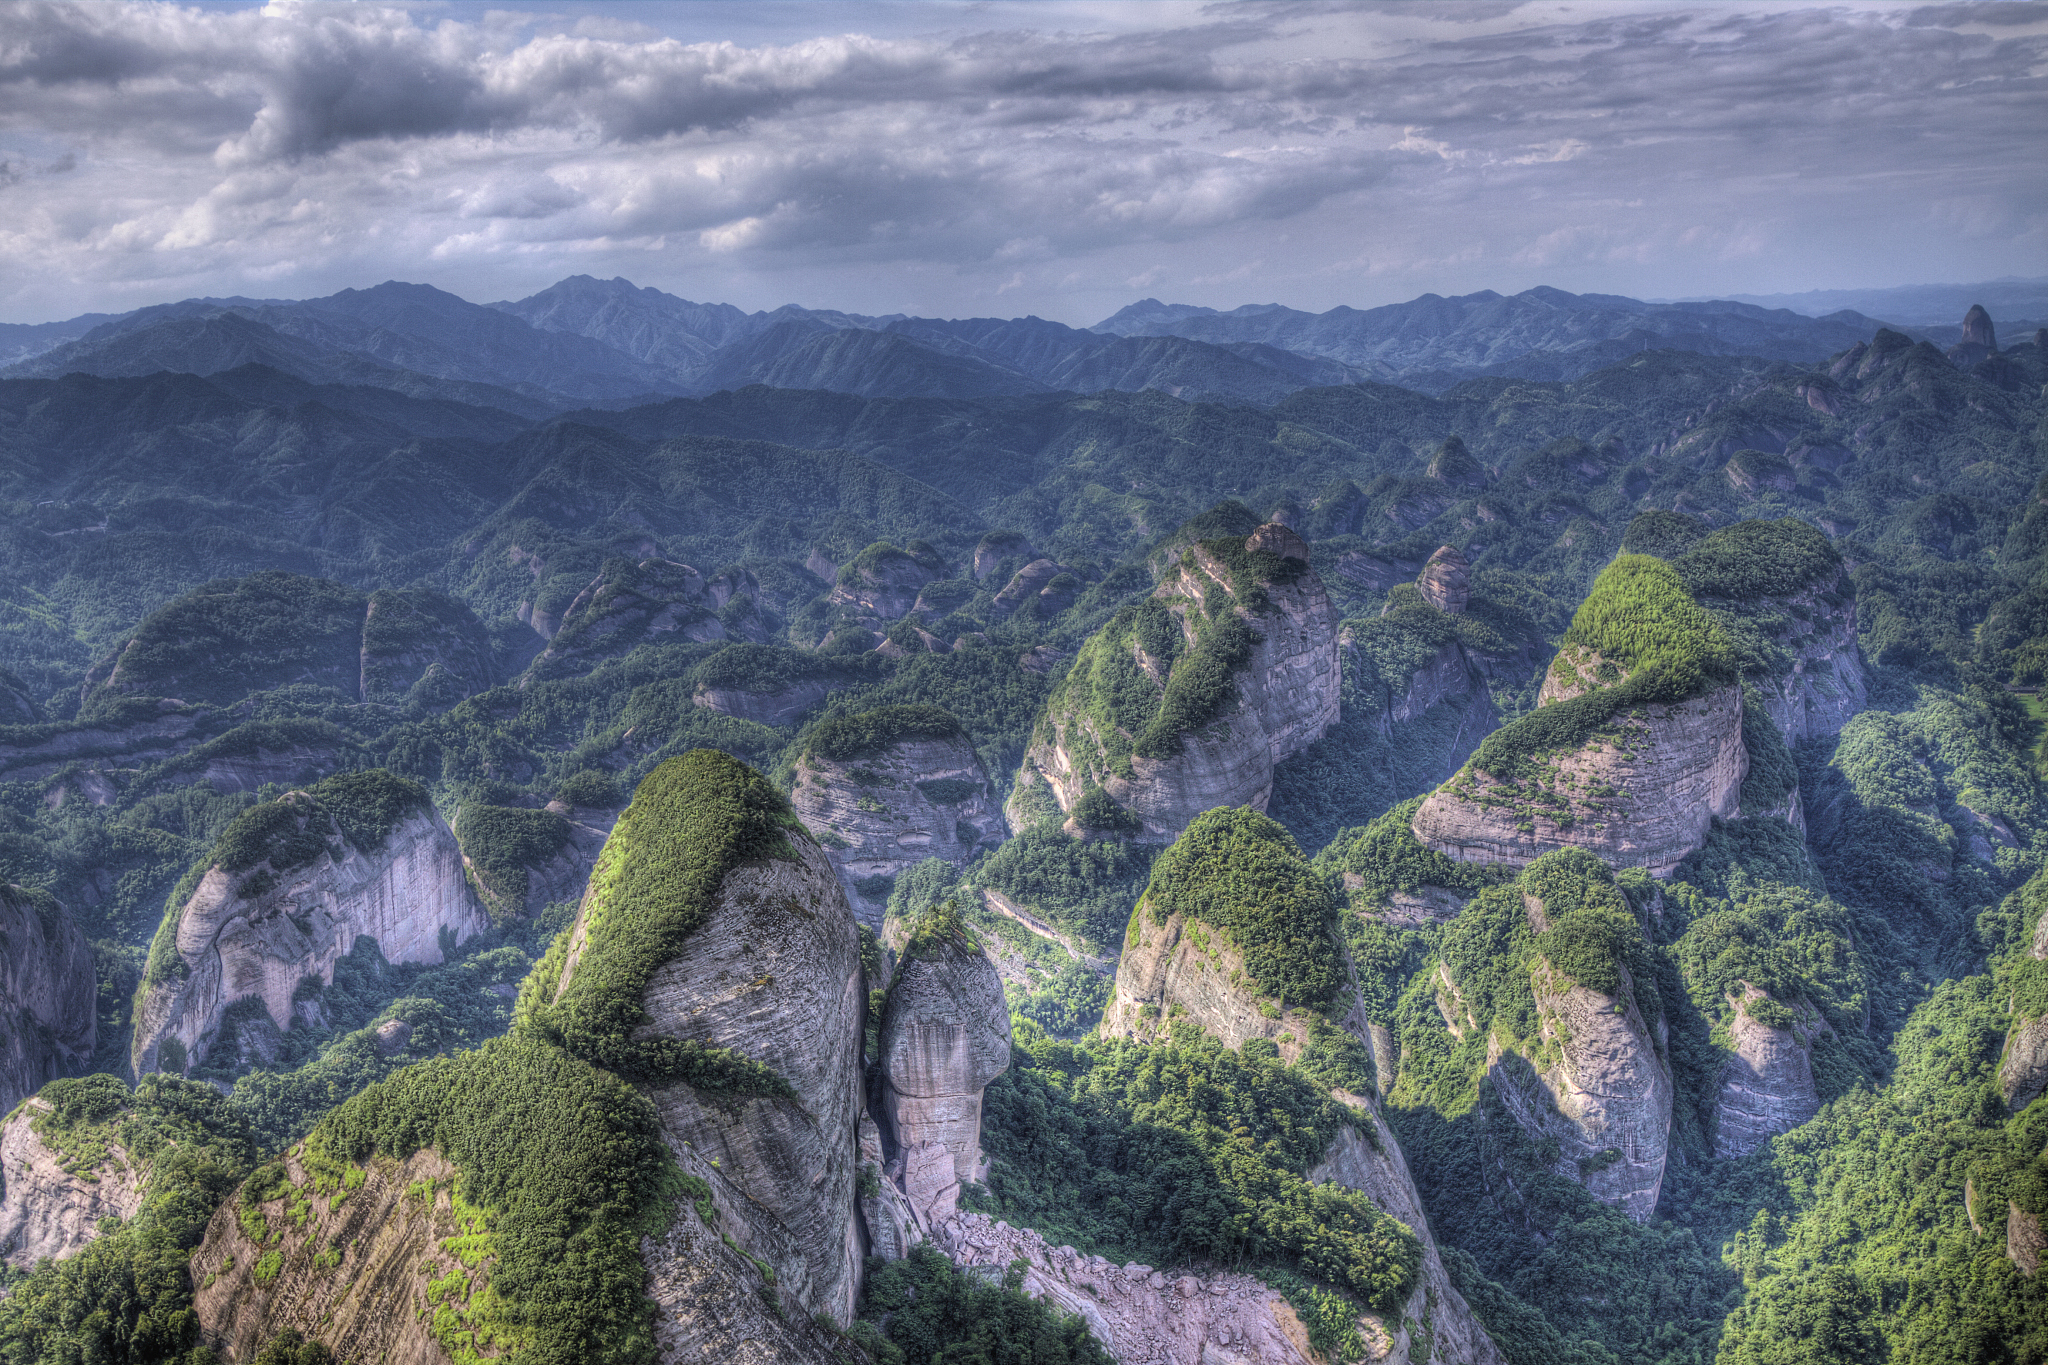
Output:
[[1061, 159]]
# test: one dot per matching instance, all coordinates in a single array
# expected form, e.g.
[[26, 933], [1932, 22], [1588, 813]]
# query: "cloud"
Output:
[[1422, 142]]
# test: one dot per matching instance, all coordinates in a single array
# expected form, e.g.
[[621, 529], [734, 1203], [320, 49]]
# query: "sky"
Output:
[[1057, 158]]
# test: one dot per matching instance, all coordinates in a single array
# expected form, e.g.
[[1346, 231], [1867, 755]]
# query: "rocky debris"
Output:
[[394, 1241], [1182, 971], [1767, 1084], [1287, 697], [1034, 583], [883, 813], [997, 546], [48, 994], [261, 931], [1446, 581], [777, 707], [2023, 1065], [1642, 797], [47, 1212], [626, 606], [773, 973], [2024, 1241], [945, 1034], [1603, 1093]]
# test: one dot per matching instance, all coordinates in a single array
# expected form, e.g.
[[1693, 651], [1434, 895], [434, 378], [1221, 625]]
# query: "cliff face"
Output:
[[2023, 1067], [1181, 970], [1826, 683], [47, 1211], [886, 811], [945, 1034], [1596, 1086], [1767, 1085], [772, 973], [1284, 682], [48, 994], [1642, 793], [652, 600], [260, 931]]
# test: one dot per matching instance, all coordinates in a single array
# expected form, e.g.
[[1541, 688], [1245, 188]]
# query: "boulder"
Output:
[[945, 1034], [49, 996]]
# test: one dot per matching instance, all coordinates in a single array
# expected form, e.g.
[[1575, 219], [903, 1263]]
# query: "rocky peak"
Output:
[[1457, 466], [2023, 1065], [1977, 329], [945, 1034], [997, 546], [1185, 702], [883, 581], [1446, 580], [883, 790], [283, 896], [48, 993]]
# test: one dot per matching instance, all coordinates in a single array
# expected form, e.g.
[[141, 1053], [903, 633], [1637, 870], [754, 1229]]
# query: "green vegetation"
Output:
[[844, 738], [1237, 871], [1384, 857], [503, 843], [1083, 887], [1753, 559], [1185, 1151], [692, 821], [922, 1308]]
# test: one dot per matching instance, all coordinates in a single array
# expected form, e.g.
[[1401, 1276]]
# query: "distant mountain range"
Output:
[[589, 343]]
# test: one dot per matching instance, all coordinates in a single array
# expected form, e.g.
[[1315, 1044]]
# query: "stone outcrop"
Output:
[[776, 706], [2023, 1066], [96, 744], [886, 811], [260, 931], [2024, 1240], [772, 973], [1035, 583], [1826, 683], [882, 582], [1596, 1086], [47, 1212], [1767, 1084], [421, 645], [1641, 795], [945, 1034], [653, 600], [1446, 580], [48, 994], [1979, 343], [1287, 696], [1186, 971], [997, 546]]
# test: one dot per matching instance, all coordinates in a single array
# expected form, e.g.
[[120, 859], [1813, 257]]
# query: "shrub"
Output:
[[845, 738]]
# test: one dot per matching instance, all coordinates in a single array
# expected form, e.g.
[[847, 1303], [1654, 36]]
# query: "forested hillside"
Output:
[[1636, 949]]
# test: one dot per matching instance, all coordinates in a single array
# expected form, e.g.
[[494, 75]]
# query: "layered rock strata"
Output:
[[48, 994], [1641, 793], [1767, 1084], [47, 1212], [2023, 1065], [1186, 971], [260, 932], [945, 1034], [1446, 580], [1286, 696], [1597, 1086], [773, 973], [883, 813], [1825, 683]]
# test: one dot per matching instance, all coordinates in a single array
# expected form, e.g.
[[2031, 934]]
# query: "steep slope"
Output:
[[1636, 748], [282, 897], [1187, 700], [883, 790], [54, 1190], [48, 993], [2023, 1064]]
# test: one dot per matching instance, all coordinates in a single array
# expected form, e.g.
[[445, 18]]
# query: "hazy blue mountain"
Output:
[[1920, 305]]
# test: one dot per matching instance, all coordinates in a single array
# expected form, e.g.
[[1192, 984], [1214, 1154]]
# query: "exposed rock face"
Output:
[[655, 598], [93, 744], [1674, 770], [773, 973], [1181, 970], [885, 1210], [884, 583], [1032, 583], [778, 707], [885, 812], [1446, 581], [421, 643], [1288, 693], [1604, 1094], [48, 994], [945, 1035], [1827, 683], [1767, 1086], [2024, 1241], [1980, 340], [260, 932], [2023, 1068], [997, 546], [1380, 1172], [47, 1212], [708, 1304], [373, 1306]]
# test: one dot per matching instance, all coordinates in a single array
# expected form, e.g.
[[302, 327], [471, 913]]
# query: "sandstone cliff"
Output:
[[1635, 748], [1184, 970], [1767, 1084], [1185, 702], [2023, 1066], [884, 790], [1821, 682], [771, 974], [631, 604], [285, 894], [48, 994], [1596, 1086], [51, 1207], [945, 1034]]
